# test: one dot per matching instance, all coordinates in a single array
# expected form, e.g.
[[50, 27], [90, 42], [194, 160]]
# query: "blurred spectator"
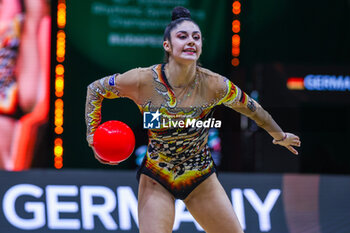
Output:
[[24, 74]]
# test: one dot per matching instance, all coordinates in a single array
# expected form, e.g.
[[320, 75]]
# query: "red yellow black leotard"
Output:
[[177, 157]]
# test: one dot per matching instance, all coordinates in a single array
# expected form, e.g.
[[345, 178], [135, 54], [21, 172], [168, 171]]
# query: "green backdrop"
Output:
[[113, 36]]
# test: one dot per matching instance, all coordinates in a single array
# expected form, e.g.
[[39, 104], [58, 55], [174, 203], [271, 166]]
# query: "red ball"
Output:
[[114, 141]]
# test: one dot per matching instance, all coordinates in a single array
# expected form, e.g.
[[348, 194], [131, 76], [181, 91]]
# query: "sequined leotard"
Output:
[[177, 157]]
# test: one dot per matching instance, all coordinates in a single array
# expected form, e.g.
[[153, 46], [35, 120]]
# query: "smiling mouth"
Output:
[[189, 51]]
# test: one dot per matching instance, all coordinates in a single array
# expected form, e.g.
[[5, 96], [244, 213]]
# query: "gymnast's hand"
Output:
[[91, 144], [289, 141], [102, 160]]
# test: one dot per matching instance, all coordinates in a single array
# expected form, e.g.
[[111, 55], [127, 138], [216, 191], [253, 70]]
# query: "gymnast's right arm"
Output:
[[113, 86]]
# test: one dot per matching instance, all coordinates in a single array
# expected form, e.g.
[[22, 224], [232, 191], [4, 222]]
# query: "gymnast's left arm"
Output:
[[242, 103]]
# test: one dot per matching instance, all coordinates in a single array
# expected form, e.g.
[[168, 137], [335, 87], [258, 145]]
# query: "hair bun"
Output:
[[180, 12]]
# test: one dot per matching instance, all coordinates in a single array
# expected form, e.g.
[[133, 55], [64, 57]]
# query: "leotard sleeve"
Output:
[[96, 92], [239, 101], [114, 86]]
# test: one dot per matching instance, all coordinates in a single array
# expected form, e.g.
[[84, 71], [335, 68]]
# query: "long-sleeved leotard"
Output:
[[177, 157]]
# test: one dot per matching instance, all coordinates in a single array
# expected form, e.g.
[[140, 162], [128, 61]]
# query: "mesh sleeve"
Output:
[[241, 102], [96, 92], [232, 93]]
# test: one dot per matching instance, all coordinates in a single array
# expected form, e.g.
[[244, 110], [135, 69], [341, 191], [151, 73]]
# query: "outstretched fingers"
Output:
[[294, 151], [289, 141]]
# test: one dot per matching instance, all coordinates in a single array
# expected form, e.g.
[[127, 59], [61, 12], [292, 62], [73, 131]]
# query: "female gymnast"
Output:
[[178, 164]]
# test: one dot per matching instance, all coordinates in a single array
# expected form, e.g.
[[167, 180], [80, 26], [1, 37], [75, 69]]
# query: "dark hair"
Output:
[[178, 15]]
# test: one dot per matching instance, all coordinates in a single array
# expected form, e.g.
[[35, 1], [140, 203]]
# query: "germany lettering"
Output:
[[72, 207]]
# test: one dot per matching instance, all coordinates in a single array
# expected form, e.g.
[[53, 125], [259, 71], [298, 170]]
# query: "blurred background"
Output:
[[267, 48], [292, 56]]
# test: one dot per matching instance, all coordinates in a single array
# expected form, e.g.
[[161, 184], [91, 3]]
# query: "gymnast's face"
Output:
[[186, 43]]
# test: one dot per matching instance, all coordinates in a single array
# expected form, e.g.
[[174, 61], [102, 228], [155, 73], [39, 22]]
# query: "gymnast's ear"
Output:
[[167, 46]]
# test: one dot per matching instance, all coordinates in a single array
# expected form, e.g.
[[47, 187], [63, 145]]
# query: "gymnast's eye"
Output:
[[196, 37], [182, 36]]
